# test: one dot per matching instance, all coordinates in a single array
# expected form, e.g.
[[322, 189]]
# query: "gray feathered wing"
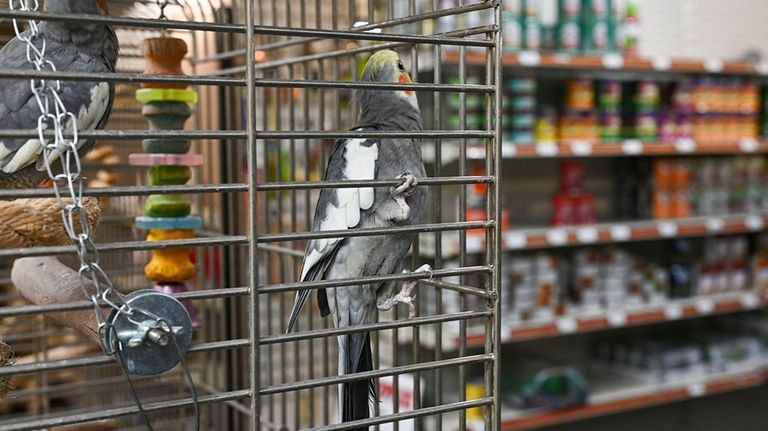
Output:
[[337, 209], [89, 101]]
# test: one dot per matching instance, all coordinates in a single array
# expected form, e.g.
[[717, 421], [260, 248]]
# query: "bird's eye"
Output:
[[401, 66]]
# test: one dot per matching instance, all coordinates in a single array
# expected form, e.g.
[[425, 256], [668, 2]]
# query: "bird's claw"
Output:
[[406, 295], [406, 188]]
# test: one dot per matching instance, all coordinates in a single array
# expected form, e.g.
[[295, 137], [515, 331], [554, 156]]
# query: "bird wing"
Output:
[[88, 101], [337, 209]]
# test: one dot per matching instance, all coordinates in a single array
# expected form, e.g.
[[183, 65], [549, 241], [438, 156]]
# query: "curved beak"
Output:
[[405, 78]]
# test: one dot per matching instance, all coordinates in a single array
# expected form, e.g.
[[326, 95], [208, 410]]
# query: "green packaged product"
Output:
[[511, 31], [521, 85], [569, 9], [568, 35], [599, 36], [532, 34], [597, 9]]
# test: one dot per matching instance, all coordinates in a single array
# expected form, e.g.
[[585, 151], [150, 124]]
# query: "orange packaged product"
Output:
[[679, 175], [661, 205], [679, 205], [661, 174], [580, 95]]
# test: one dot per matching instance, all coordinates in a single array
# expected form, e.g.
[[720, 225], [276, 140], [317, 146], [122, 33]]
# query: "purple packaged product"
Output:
[[667, 126], [684, 124], [682, 97]]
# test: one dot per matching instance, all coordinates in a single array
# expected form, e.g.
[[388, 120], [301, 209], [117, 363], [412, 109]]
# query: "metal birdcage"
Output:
[[275, 81]]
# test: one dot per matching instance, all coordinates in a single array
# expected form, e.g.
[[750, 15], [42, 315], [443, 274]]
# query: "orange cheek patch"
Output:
[[405, 79]]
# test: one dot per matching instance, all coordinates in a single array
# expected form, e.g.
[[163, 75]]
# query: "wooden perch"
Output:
[[45, 281]]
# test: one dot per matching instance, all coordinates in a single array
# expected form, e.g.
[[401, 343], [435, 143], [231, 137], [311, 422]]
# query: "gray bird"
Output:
[[367, 207], [71, 47]]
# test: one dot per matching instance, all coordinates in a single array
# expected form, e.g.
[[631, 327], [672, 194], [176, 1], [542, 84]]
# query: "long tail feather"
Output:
[[298, 304], [357, 395]]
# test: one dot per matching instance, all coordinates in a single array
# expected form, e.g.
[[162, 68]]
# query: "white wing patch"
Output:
[[25, 155], [360, 164], [4, 151]]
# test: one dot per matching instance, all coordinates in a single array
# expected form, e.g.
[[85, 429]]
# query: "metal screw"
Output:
[[158, 337]]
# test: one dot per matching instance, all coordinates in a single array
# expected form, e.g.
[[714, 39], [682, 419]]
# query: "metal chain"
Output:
[[162, 4], [68, 185]]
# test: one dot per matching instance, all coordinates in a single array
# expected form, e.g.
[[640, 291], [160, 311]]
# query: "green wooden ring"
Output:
[[148, 95]]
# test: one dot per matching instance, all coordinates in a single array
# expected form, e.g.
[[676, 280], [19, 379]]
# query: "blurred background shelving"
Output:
[[635, 191]]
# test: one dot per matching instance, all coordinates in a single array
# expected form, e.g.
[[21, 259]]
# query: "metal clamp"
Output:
[[155, 338]]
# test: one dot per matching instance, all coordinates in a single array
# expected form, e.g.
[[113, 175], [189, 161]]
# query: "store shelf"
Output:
[[625, 148], [602, 233], [637, 397], [629, 147], [614, 62], [581, 322], [632, 231]]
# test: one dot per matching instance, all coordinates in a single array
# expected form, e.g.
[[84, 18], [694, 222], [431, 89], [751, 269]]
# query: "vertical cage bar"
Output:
[[253, 252], [497, 201]]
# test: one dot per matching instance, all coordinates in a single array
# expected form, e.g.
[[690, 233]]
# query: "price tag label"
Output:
[[715, 224], [685, 145], [750, 300], [705, 306], [754, 222], [667, 229], [546, 149], [529, 58], [508, 150], [515, 240], [621, 232], [581, 148], [713, 65], [557, 237], [697, 389], [748, 145], [505, 335], [616, 318], [673, 311], [567, 325], [564, 59], [762, 67], [587, 235], [661, 63], [613, 61], [632, 146]]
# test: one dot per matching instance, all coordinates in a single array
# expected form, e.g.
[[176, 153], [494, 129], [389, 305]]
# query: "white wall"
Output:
[[703, 28]]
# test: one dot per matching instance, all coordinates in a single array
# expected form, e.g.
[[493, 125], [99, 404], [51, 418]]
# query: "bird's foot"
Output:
[[407, 187], [406, 295], [401, 192]]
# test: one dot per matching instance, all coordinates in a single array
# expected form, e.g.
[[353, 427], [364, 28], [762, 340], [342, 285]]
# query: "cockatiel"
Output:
[[367, 207], [71, 47]]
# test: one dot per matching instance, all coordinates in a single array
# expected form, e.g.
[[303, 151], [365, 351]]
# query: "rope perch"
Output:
[[38, 222]]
